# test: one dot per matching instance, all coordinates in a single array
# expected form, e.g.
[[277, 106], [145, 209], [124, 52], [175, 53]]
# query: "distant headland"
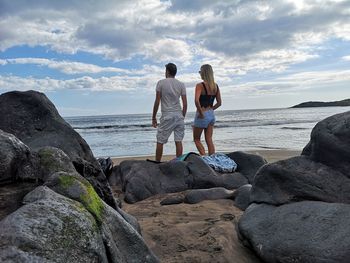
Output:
[[308, 104]]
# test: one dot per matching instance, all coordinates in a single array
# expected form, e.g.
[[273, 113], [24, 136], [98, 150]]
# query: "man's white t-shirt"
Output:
[[171, 90]]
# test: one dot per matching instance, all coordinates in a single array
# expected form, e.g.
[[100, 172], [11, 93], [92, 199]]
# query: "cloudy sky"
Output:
[[105, 57]]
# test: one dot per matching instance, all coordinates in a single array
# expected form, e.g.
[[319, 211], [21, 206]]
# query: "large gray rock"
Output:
[[247, 164], [242, 196], [32, 118], [120, 231], [297, 179], [330, 142], [19, 172], [305, 231], [123, 242], [142, 179], [56, 228], [50, 228], [74, 186], [199, 195], [304, 202], [54, 160], [17, 162], [11, 196]]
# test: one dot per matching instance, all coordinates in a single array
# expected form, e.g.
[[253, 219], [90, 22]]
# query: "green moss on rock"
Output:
[[92, 202], [48, 160], [86, 194], [66, 180]]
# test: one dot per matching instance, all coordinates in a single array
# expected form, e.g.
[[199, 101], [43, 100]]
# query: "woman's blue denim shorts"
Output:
[[209, 119]]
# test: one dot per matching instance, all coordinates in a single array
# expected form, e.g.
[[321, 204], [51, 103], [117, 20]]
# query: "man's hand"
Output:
[[154, 123]]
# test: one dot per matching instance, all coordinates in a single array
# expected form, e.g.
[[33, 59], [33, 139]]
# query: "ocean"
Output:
[[133, 135]]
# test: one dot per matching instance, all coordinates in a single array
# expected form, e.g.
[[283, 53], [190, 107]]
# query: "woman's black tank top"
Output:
[[206, 100]]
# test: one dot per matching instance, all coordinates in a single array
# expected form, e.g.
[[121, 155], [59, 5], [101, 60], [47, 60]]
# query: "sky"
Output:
[[105, 57]]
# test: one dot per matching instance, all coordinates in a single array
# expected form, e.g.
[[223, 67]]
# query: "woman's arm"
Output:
[[218, 100], [196, 99]]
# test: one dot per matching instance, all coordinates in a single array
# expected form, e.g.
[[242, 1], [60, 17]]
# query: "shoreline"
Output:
[[271, 155]]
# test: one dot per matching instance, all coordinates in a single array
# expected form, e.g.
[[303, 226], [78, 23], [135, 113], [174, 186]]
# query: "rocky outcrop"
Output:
[[33, 119], [142, 179], [300, 207], [66, 221], [309, 104], [50, 212]]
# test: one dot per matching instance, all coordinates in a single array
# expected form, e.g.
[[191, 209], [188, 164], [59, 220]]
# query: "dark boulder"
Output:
[[32, 118], [11, 196], [297, 179], [242, 196], [17, 162], [233, 180], [142, 179], [307, 231], [199, 195], [173, 199], [247, 164], [19, 172], [54, 160], [330, 142], [115, 177]]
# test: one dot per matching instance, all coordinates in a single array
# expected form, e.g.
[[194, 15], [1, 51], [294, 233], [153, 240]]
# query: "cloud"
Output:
[[67, 67], [292, 84], [143, 80], [144, 83], [238, 37]]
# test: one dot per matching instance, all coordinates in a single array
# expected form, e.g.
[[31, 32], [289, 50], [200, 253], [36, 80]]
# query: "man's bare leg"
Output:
[[179, 148], [159, 151]]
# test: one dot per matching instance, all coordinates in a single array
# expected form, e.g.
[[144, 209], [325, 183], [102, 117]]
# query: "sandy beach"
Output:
[[269, 155], [203, 232]]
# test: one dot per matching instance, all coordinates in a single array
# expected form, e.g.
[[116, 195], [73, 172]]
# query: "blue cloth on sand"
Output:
[[220, 162]]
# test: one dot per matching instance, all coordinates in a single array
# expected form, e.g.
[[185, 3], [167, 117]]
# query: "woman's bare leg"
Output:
[[208, 133], [197, 132]]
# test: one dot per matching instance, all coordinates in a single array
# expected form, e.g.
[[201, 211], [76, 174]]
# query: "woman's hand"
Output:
[[200, 115]]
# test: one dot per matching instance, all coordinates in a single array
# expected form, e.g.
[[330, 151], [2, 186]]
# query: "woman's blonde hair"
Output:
[[207, 75]]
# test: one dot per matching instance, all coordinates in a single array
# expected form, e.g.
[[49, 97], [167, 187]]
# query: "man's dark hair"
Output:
[[171, 68]]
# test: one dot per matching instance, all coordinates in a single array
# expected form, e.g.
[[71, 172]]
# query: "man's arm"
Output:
[[155, 109], [184, 105]]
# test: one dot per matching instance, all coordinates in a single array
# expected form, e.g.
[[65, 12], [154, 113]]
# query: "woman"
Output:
[[206, 92]]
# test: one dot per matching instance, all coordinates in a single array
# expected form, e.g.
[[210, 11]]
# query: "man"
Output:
[[168, 93]]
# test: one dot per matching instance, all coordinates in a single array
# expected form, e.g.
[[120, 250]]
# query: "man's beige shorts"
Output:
[[171, 123]]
